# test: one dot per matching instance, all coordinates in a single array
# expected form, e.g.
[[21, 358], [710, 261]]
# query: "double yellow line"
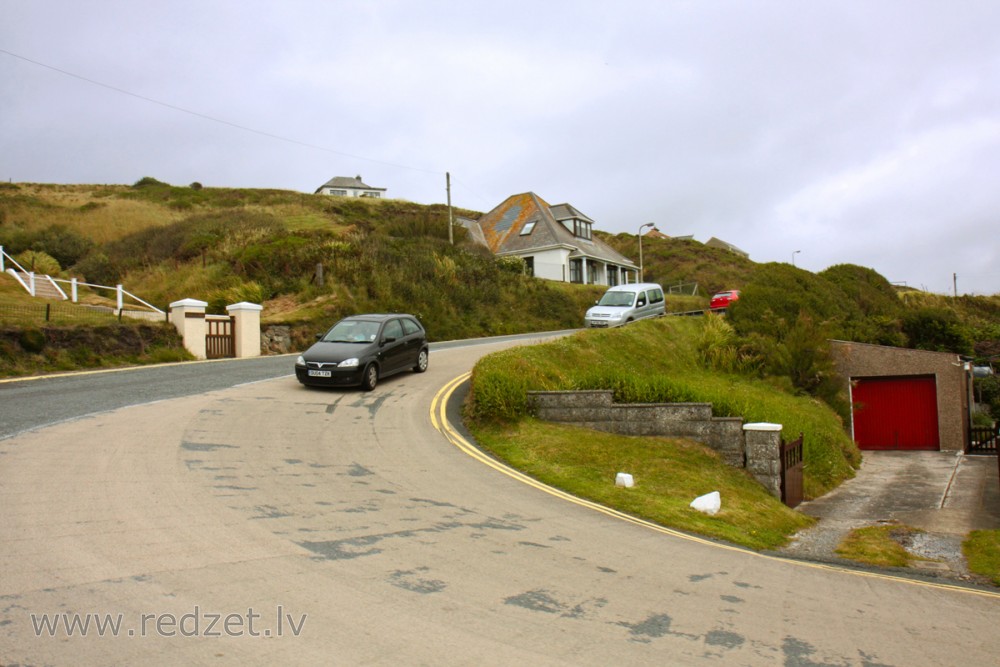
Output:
[[439, 419]]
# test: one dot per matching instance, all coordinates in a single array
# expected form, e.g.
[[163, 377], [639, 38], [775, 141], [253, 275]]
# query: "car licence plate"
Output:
[[320, 374]]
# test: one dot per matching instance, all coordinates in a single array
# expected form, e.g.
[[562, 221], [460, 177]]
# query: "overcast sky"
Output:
[[863, 132]]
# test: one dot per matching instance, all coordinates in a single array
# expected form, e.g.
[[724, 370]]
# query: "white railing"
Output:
[[74, 285]]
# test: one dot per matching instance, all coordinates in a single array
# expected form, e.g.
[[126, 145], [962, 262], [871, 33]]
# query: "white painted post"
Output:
[[118, 291], [31, 283], [1, 259], [188, 315], [247, 323], [72, 284]]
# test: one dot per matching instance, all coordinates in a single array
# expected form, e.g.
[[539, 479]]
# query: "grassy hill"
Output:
[[311, 259]]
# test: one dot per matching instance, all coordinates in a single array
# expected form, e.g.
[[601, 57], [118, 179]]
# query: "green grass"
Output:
[[29, 350], [878, 546], [657, 361], [669, 474], [982, 553]]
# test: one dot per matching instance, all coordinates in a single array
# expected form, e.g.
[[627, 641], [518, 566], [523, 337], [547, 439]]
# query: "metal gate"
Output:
[[220, 336], [982, 440], [791, 472], [895, 412]]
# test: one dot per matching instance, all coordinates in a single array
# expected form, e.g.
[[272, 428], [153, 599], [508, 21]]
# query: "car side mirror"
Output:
[[388, 339], [319, 336], [640, 302]]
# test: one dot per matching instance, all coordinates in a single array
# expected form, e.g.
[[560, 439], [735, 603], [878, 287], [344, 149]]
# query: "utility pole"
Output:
[[447, 186], [954, 283]]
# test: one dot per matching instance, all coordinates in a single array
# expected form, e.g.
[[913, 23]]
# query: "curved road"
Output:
[[268, 523]]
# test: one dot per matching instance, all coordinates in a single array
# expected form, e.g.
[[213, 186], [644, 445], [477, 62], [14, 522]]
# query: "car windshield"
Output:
[[617, 299], [352, 331]]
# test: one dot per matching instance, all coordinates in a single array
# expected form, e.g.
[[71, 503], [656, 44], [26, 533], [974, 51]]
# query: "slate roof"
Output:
[[340, 182], [501, 229]]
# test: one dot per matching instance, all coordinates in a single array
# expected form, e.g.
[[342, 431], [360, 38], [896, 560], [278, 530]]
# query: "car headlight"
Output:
[[615, 316], [301, 361], [348, 363]]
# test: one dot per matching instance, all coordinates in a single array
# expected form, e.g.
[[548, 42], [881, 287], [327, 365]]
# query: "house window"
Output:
[[339, 193], [529, 264], [576, 271], [612, 276], [527, 228], [581, 229]]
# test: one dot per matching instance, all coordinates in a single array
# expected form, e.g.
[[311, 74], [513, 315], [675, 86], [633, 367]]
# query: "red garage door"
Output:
[[896, 413]]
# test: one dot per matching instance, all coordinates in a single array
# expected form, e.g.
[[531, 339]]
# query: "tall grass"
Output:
[[658, 361]]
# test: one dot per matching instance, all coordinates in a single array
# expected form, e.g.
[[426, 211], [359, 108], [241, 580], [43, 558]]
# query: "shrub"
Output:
[[32, 340], [37, 261], [936, 329], [147, 181]]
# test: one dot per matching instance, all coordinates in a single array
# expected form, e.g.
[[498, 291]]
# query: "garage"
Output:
[[896, 413]]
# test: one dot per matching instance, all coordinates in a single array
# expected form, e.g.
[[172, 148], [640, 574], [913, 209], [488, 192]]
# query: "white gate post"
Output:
[[188, 315], [246, 318]]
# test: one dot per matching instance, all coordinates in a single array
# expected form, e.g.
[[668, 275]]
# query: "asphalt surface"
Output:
[[347, 527], [38, 401]]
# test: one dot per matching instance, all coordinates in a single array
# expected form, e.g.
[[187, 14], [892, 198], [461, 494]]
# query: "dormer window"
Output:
[[581, 229], [527, 228]]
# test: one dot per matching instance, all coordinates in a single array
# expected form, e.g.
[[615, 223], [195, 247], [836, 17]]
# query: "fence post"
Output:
[[72, 284], [118, 291], [2, 253], [31, 283]]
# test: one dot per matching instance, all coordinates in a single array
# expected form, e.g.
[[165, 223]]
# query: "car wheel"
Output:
[[370, 377], [423, 360]]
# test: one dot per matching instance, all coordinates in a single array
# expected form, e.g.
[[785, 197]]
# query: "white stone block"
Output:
[[624, 479], [710, 503]]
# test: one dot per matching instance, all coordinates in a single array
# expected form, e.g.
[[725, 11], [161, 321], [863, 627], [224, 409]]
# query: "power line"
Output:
[[213, 119]]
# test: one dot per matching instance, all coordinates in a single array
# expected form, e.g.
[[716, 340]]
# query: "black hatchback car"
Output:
[[360, 349]]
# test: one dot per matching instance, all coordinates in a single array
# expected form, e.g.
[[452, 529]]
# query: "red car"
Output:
[[722, 300]]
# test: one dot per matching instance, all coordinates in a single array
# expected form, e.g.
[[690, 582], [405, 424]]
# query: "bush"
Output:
[[37, 261], [148, 181], [936, 329], [32, 341]]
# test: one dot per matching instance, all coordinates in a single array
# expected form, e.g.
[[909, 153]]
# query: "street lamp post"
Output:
[[793, 256], [642, 227]]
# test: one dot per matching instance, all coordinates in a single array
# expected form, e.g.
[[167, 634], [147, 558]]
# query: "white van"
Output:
[[622, 304]]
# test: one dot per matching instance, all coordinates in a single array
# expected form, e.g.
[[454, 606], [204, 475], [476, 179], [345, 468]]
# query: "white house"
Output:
[[344, 186], [556, 242]]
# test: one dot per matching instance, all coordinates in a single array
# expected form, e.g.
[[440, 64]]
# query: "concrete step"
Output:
[[44, 289]]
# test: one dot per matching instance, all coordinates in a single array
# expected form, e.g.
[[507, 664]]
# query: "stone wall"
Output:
[[757, 450]]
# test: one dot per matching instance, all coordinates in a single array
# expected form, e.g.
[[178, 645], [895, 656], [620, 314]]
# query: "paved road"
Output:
[[269, 523]]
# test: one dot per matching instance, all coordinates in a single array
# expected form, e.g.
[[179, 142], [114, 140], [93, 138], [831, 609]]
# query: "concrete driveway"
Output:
[[944, 494]]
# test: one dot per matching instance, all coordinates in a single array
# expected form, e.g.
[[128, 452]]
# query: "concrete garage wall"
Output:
[[863, 360], [596, 410]]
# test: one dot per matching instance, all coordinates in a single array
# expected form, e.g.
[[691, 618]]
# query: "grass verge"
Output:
[[880, 546], [669, 474], [982, 553]]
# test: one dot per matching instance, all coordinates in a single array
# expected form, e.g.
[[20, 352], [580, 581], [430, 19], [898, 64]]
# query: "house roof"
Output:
[[719, 243], [347, 182], [502, 229]]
